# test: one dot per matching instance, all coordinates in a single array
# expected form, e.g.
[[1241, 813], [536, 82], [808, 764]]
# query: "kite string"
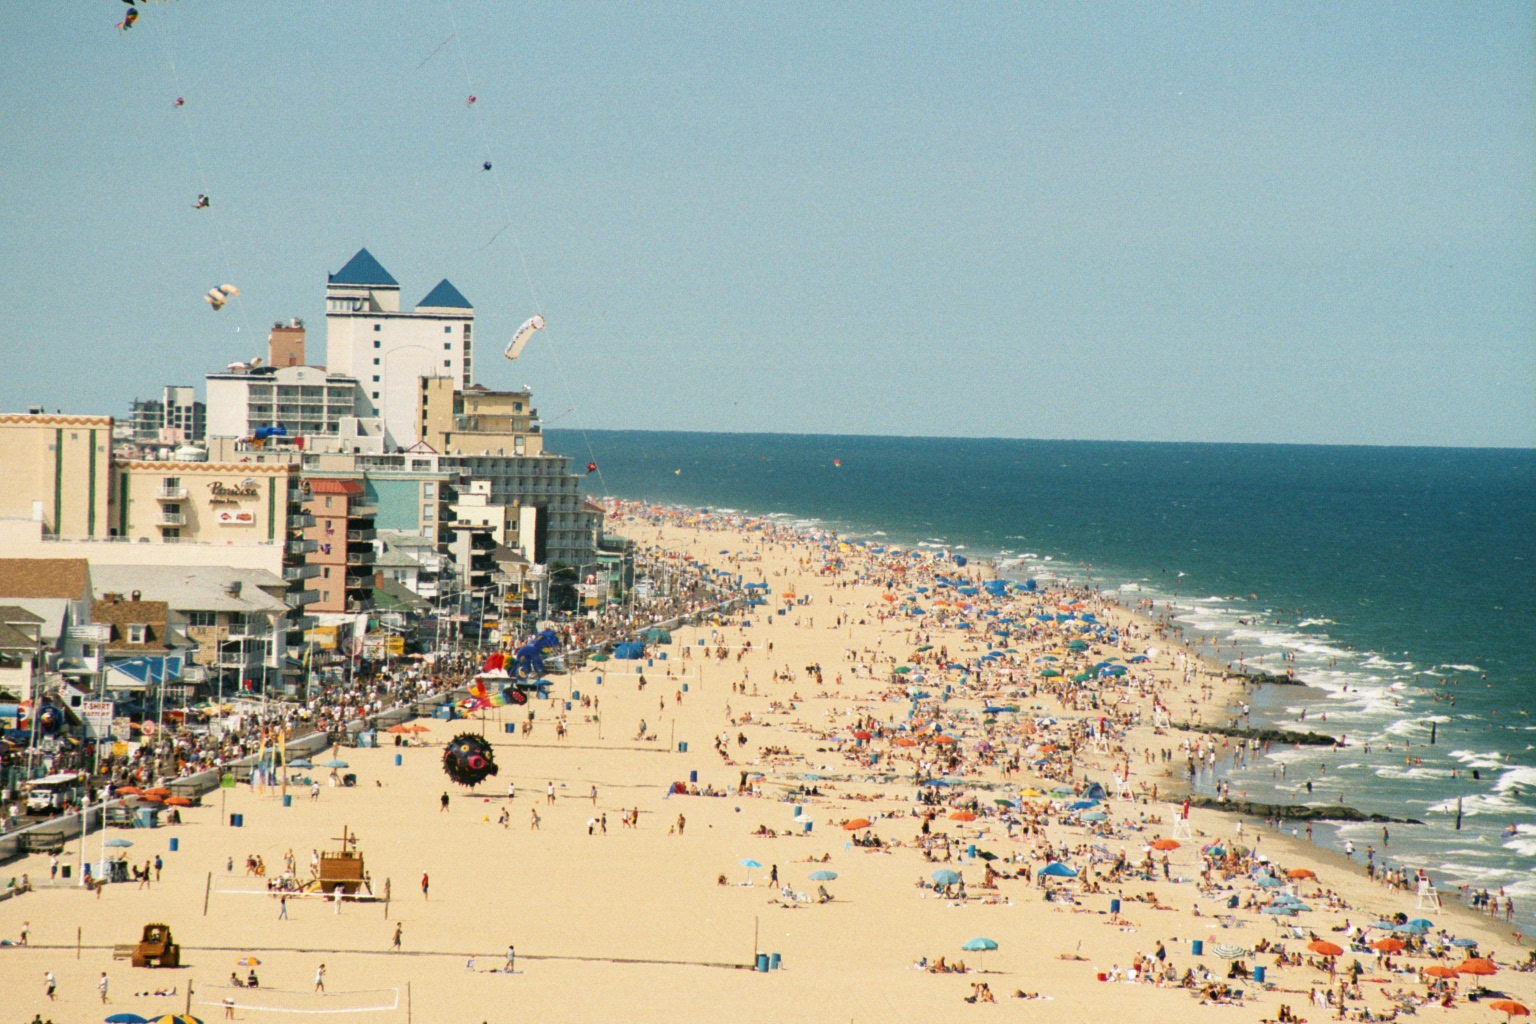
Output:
[[506, 209], [202, 176]]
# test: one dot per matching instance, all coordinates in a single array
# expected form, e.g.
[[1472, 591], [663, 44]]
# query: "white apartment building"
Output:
[[388, 351], [305, 400]]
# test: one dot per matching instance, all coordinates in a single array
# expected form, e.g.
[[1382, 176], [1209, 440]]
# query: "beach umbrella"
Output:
[[1422, 922], [749, 863], [1410, 929], [1269, 882], [1476, 965], [856, 824], [823, 876], [1082, 805], [1440, 971], [1229, 952], [1301, 873], [335, 764], [159, 791], [1383, 925], [1465, 943], [963, 816], [1323, 947], [944, 876], [1165, 844], [152, 799], [1056, 869], [1278, 909], [247, 961], [1509, 1008], [126, 1018], [861, 734], [980, 945], [1389, 945], [1095, 816], [125, 843], [128, 791], [176, 1018], [300, 762], [902, 669], [902, 741], [178, 801], [598, 657]]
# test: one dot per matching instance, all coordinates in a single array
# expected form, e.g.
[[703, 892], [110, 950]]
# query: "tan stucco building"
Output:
[[56, 472]]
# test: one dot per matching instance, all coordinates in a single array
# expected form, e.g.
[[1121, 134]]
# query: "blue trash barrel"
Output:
[[567, 705], [599, 680], [237, 820], [797, 810], [175, 844], [1258, 975], [1196, 947], [509, 727], [762, 962], [970, 851], [649, 662], [1114, 906], [685, 687], [663, 655], [773, 962], [400, 758], [575, 695], [287, 799], [682, 747], [693, 776], [808, 824]]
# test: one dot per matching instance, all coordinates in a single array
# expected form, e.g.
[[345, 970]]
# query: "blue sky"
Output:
[[1208, 222]]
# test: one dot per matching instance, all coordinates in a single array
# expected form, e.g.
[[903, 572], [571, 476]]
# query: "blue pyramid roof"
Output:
[[446, 295], [362, 269]]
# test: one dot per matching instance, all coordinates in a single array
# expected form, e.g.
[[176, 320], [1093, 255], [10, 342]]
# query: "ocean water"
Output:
[[1399, 582]]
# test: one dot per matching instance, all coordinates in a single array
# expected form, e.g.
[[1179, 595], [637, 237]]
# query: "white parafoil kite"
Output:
[[216, 297], [515, 346]]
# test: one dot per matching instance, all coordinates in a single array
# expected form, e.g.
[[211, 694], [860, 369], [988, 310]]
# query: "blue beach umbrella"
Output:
[[979, 945], [1056, 869], [1281, 909], [1095, 816], [749, 863], [335, 764], [823, 876], [300, 762], [944, 876], [1465, 943], [119, 842], [126, 1018], [1269, 882], [1082, 805], [1422, 922], [1410, 929]]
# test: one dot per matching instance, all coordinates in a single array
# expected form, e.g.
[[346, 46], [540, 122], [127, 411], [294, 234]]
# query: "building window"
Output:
[[237, 622], [326, 573], [375, 360], [377, 327], [448, 345], [202, 619], [138, 634], [375, 394], [375, 376], [448, 362], [87, 650], [327, 501], [447, 329], [427, 512], [428, 489]]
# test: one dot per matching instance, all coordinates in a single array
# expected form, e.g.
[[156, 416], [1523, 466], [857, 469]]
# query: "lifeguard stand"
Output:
[[1428, 897], [1180, 823]]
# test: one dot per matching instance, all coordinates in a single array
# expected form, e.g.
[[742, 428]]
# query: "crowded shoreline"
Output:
[[879, 698]]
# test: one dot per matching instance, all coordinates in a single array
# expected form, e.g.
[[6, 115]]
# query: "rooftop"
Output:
[[189, 588], [364, 269], [446, 296], [56, 578]]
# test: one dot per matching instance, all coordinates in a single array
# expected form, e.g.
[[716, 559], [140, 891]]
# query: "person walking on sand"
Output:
[[682, 822], [229, 1007], [425, 882], [511, 957], [594, 796], [282, 907], [320, 978], [444, 801], [399, 930], [101, 986], [26, 930], [549, 794], [52, 984]]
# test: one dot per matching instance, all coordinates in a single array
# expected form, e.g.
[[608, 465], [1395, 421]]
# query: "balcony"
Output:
[[300, 598], [95, 633], [300, 623], [300, 521], [362, 511], [303, 547], [172, 519], [164, 493], [361, 535], [360, 604], [294, 573]]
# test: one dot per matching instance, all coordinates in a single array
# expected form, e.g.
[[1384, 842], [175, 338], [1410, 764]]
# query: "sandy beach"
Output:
[[632, 923]]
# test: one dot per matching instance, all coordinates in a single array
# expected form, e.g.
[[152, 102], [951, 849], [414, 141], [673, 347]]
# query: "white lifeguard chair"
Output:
[[1180, 823], [1160, 719], [1122, 789], [1428, 897]]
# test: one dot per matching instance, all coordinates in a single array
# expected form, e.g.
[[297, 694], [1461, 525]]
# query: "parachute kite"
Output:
[[179, 102], [486, 165], [128, 20], [471, 101], [202, 202], [515, 346], [216, 297], [591, 467], [468, 759]]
